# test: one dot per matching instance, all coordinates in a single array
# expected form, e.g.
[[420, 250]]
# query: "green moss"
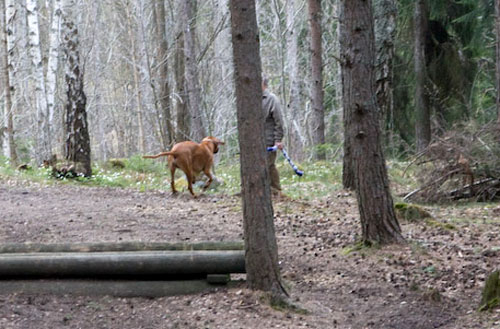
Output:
[[410, 212], [446, 226], [491, 293]]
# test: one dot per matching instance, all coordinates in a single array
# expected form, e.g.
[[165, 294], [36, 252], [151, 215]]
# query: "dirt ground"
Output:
[[434, 281]]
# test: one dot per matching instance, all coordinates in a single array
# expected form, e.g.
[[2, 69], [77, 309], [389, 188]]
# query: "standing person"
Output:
[[273, 133]]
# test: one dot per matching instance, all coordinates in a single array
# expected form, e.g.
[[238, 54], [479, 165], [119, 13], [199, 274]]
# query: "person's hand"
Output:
[[279, 145]]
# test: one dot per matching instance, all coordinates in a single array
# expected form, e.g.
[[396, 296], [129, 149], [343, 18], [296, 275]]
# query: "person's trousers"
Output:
[[273, 171]]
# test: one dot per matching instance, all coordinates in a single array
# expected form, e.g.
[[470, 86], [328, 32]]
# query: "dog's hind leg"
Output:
[[172, 178], [190, 179], [210, 178]]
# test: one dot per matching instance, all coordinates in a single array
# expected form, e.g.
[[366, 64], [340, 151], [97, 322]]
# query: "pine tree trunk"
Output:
[[191, 71], [378, 220], [261, 251], [318, 111], [422, 115], [8, 13], [44, 148], [77, 135], [348, 174]]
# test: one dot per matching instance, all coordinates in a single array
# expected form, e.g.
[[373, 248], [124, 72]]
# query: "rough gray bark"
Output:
[[293, 21], [422, 110], [348, 174], [77, 135], [260, 241], [141, 140], [191, 70], [378, 220], [181, 107], [166, 127], [318, 111]]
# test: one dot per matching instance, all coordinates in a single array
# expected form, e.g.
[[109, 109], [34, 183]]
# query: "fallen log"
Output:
[[116, 288], [118, 246], [169, 265]]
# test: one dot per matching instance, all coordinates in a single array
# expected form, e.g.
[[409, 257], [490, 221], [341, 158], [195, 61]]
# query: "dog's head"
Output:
[[210, 140]]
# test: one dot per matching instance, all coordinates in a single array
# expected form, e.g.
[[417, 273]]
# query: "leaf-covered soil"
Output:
[[434, 281]]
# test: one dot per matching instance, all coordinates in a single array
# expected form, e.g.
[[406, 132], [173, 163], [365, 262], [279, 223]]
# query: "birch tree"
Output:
[[8, 40], [43, 139], [77, 135], [53, 60]]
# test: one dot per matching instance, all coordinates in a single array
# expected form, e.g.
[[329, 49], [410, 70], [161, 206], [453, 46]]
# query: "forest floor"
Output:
[[434, 281]]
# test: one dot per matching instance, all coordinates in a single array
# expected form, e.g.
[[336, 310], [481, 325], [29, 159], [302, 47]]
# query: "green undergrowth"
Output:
[[321, 178]]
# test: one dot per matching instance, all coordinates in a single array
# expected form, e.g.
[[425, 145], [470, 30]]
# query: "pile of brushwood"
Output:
[[464, 163]]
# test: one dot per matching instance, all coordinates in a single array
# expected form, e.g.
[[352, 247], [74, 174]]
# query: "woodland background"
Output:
[[158, 72]]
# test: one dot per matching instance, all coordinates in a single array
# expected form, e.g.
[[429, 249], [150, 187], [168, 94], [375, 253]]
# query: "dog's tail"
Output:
[[162, 154]]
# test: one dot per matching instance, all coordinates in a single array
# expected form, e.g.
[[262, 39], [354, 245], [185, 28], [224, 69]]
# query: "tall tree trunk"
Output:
[[44, 148], [7, 37], [181, 108], [348, 174], [53, 61], [77, 135], [318, 111], [191, 70], [261, 250], [293, 18], [137, 82], [497, 25], [166, 127], [378, 220], [385, 33], [422, 115]]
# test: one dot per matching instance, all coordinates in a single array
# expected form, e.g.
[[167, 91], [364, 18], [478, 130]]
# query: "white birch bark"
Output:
[[10, 41], [53, 61], [43, 135]]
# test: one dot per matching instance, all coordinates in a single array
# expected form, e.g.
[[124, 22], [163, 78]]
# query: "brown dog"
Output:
[[192, 158]]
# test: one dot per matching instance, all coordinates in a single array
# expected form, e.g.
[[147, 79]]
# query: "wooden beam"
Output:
[[136, 264], [119, 246]]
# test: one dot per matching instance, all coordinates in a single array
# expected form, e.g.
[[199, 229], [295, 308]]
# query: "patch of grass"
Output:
[[435, 223], [359, 246], [283, 304]]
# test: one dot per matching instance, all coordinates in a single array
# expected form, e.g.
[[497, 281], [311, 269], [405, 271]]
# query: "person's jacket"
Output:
[[274, 122]]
